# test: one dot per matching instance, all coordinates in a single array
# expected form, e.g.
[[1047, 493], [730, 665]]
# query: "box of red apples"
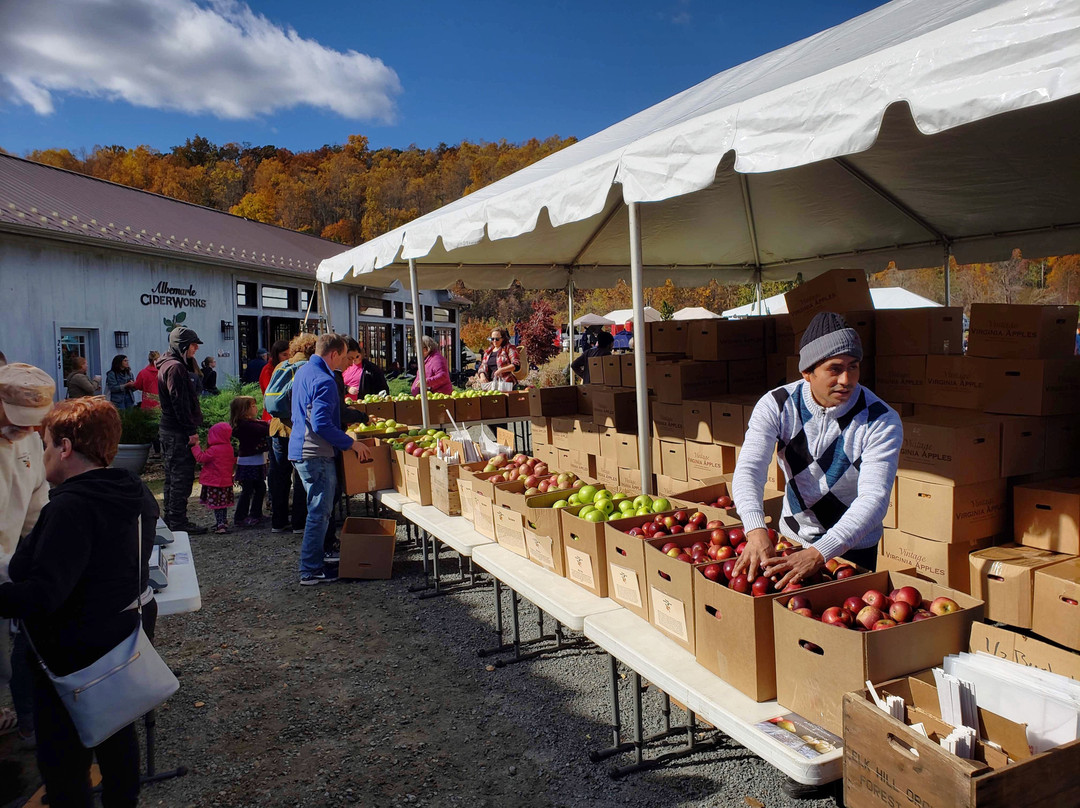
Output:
[[833, 638], [734, 619], [628, 580]]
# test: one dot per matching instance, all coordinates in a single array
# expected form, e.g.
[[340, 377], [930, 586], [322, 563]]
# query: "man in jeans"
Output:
[[316, 437], [178, 429]]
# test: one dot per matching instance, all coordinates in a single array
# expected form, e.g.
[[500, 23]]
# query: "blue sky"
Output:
[[75, 73]]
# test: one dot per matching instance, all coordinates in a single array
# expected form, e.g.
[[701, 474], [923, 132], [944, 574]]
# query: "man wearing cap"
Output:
[[26, 396], [181, 417], [837, 444]]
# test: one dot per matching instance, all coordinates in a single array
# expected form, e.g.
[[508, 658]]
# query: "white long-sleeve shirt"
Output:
[[23, 492], [840, 464]]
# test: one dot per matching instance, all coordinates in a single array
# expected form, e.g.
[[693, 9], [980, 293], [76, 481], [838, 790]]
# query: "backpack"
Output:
[[277, 400]]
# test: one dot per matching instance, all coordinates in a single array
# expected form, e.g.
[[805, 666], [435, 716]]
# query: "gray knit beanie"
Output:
[[828, 335]]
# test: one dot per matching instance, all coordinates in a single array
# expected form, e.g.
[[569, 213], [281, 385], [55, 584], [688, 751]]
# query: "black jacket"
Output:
[[580, 365], [180, 410], [372, 380], [209, 382], [75, 574]]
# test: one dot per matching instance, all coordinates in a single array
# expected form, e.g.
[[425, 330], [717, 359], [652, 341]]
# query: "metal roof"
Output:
[[53, 202]]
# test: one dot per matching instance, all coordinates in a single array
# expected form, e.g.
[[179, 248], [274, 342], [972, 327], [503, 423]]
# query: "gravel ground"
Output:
[[360, 693]]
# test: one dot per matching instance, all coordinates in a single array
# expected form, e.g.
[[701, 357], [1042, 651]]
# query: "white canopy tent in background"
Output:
[[623, 316], [919, 129], [885, 297], [694, 313], [592, 319]]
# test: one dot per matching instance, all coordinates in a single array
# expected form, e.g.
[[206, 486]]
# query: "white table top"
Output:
[[182, 595], [392, 499], [661, 661], [562, 599], [454, 531]]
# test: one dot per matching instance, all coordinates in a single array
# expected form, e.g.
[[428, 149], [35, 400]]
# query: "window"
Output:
[[445, 338], [398, 309], [277, 297], [372, 307], [438, 315], [309, 297], [245, 295], [376, 339]]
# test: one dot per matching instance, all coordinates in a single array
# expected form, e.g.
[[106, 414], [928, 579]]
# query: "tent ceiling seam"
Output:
[[744, 183], [892, 200]]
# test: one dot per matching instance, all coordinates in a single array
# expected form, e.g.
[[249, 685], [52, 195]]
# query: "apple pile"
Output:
[[672, 524], [533, 472], [875, 610], [727, 544], [724, 502], [601, 505]]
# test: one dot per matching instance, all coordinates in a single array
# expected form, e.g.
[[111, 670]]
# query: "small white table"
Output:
[[661, 661], [391, 499], [456, 532], [182, 595]]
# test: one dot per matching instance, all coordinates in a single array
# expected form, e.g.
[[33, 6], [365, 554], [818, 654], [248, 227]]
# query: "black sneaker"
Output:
[[190, 528], [333, 557], [323, 576], [281, 530]]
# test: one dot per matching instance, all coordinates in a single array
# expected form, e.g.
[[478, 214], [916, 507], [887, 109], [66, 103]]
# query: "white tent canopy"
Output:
[[622, 316], [592, 319], [886, 297], [920, 125], [694, 313]]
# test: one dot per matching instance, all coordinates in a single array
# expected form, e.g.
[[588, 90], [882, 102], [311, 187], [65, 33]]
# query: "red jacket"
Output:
[[436, 374], [264, 382], [146, 381], [218, 461]]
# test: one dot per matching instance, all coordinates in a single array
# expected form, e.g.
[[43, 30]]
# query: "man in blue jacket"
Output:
[[316, 437]]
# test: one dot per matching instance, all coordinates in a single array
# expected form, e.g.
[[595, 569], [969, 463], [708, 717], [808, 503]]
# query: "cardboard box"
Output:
[[708, 460], [746, 376], [517, 404], [1004, 577], [1033, 386], [383, 409], [1062, 442], [915, 332], [957, 514], [627, 371], [673, 459], [541, 431], [543, 530], [886, 762], [607, 472], [630, 479], [1023, 650], [667, 420], [585, 395], [584, 551], [367, 548], [668, 336], [417, 471], [776, 370], [552, 401], [483, 515], [580, 463], [667, 486], [1023, 445], [441, 410], [371, 475], [779, 334], [495, 407], [587, 437], [900, 379], [1055, 612], [615, 407], [1047, 515], [891, 519], [408, 412], [775, 479], [562, 431], [1014, 331], [812, 684], [625, 570], [956, 381], [939, 561], [612, 371], [596, 370], [791, 369], [549, 454], [397, 470], [951, 451], [626, 453], [671, 588], [838, 290], [696, 421], [467, 409], [608, 440], [510, 530], [716, 340], [729, 422], [675, 382], [445, 494]]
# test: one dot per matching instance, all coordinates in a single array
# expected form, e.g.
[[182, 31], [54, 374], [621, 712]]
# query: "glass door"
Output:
[[75, 342]]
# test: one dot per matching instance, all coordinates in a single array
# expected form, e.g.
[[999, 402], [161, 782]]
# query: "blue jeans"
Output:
[[319, 476]]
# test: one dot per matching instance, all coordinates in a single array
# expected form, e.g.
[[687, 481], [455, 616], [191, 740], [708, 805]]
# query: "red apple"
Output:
[[883, 623], [844, 571], [805, 612], [909, 595], [836, 616], [944, 605], [832, 564], [736, 535], [685, 557], [676, 529], [798, 602], [901, 611], [727, 567], [713, 524], [718, 536], [793, 586], [922, 614], [667, 548], [711, 571], [682, 517], [809, 646], [723, 553], [724, 502], [698, 545], [761, 586], [739, 548], [854, 604], [868, 615], [876, 599], [740, 583], [635, 531]]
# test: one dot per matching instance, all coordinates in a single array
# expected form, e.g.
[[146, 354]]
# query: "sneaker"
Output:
[[190, 528], [221, 529], [333, 557], [299, 531], [281, 530], [323, 576]]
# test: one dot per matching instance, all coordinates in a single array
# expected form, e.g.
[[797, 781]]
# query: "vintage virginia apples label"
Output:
[[539, 548], [579, 568], [626, 585], [412, 482], [669, 613]]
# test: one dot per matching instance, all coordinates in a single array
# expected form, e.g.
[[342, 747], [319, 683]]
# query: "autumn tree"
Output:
[[537, 334]]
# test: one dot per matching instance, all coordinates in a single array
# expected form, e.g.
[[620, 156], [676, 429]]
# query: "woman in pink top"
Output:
[[434, 369]]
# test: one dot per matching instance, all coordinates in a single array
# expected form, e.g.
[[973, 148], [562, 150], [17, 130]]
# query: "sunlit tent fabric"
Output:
[[888, 297], [623, 316], [694, 313], [592, 319], [920, 125]]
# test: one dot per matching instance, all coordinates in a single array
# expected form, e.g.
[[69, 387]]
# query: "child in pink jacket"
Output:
[[216, 477]]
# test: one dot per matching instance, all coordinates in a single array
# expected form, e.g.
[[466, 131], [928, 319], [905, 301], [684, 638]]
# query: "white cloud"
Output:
[[217, 57]]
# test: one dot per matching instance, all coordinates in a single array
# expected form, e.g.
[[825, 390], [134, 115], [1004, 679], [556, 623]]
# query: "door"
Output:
[[275, 328], [247, 340], [78, 342]]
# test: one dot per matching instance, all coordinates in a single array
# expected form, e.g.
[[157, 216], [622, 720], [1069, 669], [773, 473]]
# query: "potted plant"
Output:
[[138, 428]]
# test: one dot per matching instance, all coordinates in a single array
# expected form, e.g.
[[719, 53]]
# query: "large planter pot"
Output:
[[132, 456]]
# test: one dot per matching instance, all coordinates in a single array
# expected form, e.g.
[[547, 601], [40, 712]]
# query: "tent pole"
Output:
[[948, 282], [417, 334], [570, 323], [757, 292], [638, 296]]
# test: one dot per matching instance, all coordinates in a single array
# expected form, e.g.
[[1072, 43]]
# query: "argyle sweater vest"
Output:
[[840, 464]]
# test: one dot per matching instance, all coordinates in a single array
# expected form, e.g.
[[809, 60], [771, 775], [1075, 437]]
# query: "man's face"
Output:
[[348, 359], [833, 381], [54, 469]]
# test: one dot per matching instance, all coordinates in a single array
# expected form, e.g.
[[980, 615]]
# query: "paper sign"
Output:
[[504, 437], [669, 613], [579, 568], [539, 548], [483, 518], [508, 531], [626, 585]]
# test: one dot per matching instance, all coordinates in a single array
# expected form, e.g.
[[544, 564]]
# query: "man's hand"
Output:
[[758, 550], [798, 566], [362, 450]]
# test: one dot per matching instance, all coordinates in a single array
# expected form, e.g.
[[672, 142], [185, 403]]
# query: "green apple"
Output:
[[642, 501], [618, 497], [595, 516], [587, 493], [643, 511], [562, 503], [660, 505], [605, 506], [574, 499], [626, 507], [603, 493]]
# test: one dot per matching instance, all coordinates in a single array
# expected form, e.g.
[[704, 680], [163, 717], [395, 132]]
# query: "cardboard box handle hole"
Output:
[[1012, 372], [1043, 507], [620, 551], [1069, 601], [903, 747], [813, 648], [995, 577], [712, 610], [663, 575], [922, 495]]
